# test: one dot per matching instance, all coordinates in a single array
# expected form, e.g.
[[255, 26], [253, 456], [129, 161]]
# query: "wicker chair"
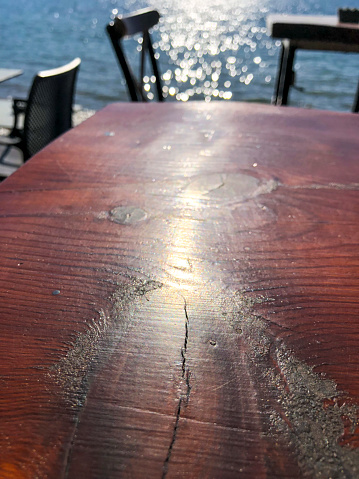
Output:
[[137, 23], [47, 111]]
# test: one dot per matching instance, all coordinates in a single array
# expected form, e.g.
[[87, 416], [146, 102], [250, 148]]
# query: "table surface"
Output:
[[8, 73], [326, 20], [179, 296], [317, 32]]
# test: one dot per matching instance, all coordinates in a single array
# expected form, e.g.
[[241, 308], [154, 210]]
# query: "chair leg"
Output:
[[20, 147], [129, 77], [355, 107], [285, 74], [279, 74], [4, 153]]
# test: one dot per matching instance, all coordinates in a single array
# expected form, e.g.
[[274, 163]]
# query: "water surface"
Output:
[[208, 50]]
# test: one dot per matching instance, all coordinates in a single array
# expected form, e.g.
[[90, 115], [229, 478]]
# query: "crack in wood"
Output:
[[184, 396], [304, 408], [329, 186], [70, 449], [174, 435], [185, 343]]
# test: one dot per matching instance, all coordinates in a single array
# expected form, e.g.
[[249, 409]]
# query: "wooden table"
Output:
[[307, 32], [179, 297], [8, 73]]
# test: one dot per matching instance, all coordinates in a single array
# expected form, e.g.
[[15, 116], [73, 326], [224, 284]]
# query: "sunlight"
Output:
[[211, 44]]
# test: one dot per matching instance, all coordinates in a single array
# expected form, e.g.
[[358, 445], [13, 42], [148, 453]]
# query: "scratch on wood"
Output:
[[307, 412], [225, 384]]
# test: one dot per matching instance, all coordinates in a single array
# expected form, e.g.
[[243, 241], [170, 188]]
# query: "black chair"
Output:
[[47, 112], [137, 23]]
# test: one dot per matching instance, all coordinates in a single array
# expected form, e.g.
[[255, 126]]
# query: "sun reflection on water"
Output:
[[213, 49]]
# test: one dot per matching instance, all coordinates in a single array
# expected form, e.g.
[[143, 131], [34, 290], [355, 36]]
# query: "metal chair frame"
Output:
[[125, 26]]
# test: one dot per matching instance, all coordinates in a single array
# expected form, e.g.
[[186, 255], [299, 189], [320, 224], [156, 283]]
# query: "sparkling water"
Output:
[[209, 50]]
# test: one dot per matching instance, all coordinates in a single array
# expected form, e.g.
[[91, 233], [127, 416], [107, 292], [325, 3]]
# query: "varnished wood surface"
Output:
[[179, 297]]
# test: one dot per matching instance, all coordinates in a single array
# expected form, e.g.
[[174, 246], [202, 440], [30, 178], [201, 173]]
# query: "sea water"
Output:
[[209, 50]]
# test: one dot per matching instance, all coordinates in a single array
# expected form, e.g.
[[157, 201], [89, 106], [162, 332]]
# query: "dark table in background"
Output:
[[308, 32], [179, 296]]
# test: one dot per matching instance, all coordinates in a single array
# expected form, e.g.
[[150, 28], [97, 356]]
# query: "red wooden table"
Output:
[[310, 32], [179, 297]]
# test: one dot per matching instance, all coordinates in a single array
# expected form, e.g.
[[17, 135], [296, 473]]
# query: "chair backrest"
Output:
[[49, 107], [137, 23]]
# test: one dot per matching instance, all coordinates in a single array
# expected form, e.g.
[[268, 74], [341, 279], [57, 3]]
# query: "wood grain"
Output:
[[179, 297]]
